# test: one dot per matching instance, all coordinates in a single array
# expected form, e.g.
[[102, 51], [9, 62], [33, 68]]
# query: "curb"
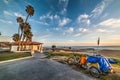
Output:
[[15, 59]]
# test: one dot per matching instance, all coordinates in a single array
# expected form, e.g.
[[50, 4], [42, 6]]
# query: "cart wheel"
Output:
[[70, 61], [94, 72]]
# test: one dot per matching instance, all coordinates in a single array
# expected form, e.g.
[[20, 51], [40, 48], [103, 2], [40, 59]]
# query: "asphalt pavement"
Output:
[[38, 68]]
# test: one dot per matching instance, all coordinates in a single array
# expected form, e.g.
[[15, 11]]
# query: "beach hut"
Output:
[[26, 46]]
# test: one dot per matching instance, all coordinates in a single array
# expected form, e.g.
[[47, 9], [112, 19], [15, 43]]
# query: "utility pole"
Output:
[[98, 42]]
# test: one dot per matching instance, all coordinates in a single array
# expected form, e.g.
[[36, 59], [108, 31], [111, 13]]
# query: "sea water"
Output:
[[89, 47]]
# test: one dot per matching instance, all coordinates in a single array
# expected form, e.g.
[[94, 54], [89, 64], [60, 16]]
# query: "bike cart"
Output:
[[103, 66]]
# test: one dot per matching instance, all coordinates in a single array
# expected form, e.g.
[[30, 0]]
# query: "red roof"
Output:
[[26, 43]]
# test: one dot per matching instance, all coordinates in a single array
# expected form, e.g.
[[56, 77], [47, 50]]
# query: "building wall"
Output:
[[31, 48], [37, 48], [14, 48]]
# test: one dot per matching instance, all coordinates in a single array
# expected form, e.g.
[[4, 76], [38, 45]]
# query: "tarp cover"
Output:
[[103, 62]]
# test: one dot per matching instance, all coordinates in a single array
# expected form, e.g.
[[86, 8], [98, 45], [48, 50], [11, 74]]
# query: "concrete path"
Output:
[[36, 68]]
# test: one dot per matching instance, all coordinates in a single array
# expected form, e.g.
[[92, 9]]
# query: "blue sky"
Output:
[[65, 22]]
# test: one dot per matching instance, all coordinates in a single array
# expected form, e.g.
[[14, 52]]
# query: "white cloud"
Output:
[[85, 30], [42, 23], [56, 16], [57, 29], [5, 21], [78, 34], [7, 13], [84, 19], [13, 14], [63, 4], [100, 8], [5, 1], [88, 22], [103, 31], [47, 16], [18, 15], [83, 16], [54, 19], [82, 30], [63, 11], [112, 23], [64, 21], [70, 30], [71, 41]]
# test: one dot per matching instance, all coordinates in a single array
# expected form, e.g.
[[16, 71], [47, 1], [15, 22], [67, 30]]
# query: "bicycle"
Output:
[[74, 59]]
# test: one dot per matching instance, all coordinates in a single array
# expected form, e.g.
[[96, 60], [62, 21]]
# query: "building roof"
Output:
[[26, 43]]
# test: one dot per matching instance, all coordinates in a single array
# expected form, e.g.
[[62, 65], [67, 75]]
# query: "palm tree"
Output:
[[30, 11], [0, 34], [20, 21], [29, 36], [16, 37], [24, 26]]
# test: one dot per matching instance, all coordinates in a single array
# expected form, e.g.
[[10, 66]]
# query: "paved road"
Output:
[[36, 68]]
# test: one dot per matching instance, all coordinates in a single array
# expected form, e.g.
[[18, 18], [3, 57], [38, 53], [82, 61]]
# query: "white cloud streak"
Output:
[[69, 30], [64, 21], [112, 23], [97, 11], [49, 16], [81, 31], [55, 18], [5, 1], [7, 13], [84, 19], [103, 31], [63, 4], [13, 14], [18, 15], [39, 22], [6, 21]]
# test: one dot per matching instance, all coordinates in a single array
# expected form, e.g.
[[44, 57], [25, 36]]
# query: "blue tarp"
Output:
[[103, 62]]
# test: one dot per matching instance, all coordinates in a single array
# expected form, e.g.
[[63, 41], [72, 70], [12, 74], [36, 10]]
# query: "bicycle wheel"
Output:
[[94, 72], [70, 60]]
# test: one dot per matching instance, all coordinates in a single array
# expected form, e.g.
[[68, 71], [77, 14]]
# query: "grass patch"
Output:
[[117, 65], [50, 54], [110, 77], [10, 55]]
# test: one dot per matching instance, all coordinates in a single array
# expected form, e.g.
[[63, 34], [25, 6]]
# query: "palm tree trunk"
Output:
[[23, 47], [26, 18], [19, 38], [25, 22]]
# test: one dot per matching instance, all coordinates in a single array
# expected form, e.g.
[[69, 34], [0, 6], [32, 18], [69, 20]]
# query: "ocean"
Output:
[[86, 47]]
